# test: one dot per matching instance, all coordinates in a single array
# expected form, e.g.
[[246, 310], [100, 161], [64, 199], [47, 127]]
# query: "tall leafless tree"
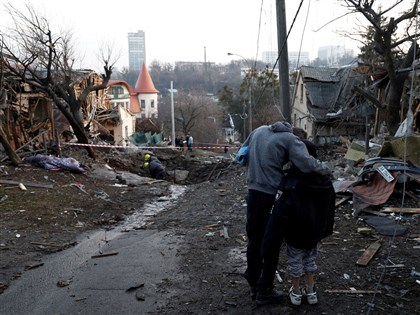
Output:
[[44, 60], [391, 47]]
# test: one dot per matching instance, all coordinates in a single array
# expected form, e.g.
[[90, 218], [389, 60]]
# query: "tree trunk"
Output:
[[81, 136], [78, 129], [394, 103], [396, 90], [8, 148]]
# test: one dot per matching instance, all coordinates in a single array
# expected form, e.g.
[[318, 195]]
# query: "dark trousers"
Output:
[[259, 206], [273, 239]]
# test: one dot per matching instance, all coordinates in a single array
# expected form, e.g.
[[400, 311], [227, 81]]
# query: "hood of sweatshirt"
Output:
[[281, 126]]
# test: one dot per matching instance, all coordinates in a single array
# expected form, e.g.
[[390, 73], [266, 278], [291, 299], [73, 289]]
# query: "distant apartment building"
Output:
[[193, 65], [331, 55], [136, 51], [296, 59]]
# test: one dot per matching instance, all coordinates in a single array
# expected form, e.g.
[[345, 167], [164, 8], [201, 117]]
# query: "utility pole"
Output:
[[283, 60], [173, 113], [205, 59]]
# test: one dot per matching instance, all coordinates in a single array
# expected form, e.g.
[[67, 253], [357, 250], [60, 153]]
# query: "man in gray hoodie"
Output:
[[269, 149]]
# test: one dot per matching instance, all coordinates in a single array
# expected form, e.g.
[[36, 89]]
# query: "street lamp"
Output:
[[249, 91]]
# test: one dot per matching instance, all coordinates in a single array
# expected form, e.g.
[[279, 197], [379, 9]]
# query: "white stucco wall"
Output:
[[148, 111], [300, 113], [126, 129]]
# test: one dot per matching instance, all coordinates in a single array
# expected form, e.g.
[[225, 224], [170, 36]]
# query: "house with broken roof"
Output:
[[31, 116], [326, 106]]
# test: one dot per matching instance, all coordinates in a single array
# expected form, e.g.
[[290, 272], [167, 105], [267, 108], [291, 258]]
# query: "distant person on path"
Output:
[[269, 148], [156, 169], [190, 141], [178, 142], [305, 210]]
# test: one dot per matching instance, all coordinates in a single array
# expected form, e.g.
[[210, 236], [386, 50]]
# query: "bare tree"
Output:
[[196, 114], [45, 60], [390, 47], [188, 110]]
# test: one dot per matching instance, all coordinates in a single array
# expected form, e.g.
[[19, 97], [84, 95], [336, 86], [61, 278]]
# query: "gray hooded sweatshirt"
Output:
[[270, 147]]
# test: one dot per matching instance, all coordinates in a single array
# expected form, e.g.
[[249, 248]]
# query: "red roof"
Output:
[[134, 101], [121, 82], [144, 83]]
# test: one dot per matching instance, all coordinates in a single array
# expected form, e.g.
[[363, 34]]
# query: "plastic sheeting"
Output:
[[142, 138]]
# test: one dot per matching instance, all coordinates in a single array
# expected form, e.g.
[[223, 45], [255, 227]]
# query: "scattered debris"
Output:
[[33, 266], [414, 273], [3, 286], [13, 182], [401, 210], [80, 186], [385, 225], [105, 255], [135, 287], [342, 200], [102, 195], [231, 303], [140, 296], [63, 283], [278, 277], [391, 266], [354, 291], [364, 231], [224, 232]]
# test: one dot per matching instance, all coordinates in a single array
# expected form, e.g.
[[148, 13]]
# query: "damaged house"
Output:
[[30, 117], [325, 105]]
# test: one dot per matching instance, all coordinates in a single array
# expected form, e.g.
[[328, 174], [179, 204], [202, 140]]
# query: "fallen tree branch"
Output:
[[13, 182]]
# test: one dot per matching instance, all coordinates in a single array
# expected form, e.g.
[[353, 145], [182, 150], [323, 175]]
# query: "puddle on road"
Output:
[[135, 221], [139, 218]]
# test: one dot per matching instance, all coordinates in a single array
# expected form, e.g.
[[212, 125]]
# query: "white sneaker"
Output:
[[311, 297], [295, 299]]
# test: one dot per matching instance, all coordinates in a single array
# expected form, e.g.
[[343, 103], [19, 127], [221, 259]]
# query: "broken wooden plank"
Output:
[[45, 244], [342, 200], [33, 266], [212, 171], [211, 226], [364, 231], [354, 291], [401, 210], [391, 266], [368, 254], [105, 255], [412, 195], [151, 182], [14, 182], [52, 244], [370, 211]]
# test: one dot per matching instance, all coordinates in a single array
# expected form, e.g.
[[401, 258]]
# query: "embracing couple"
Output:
[[294, 204]]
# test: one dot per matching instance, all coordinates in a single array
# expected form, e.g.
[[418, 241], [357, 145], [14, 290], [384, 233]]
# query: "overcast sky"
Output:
[[178, 30]]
